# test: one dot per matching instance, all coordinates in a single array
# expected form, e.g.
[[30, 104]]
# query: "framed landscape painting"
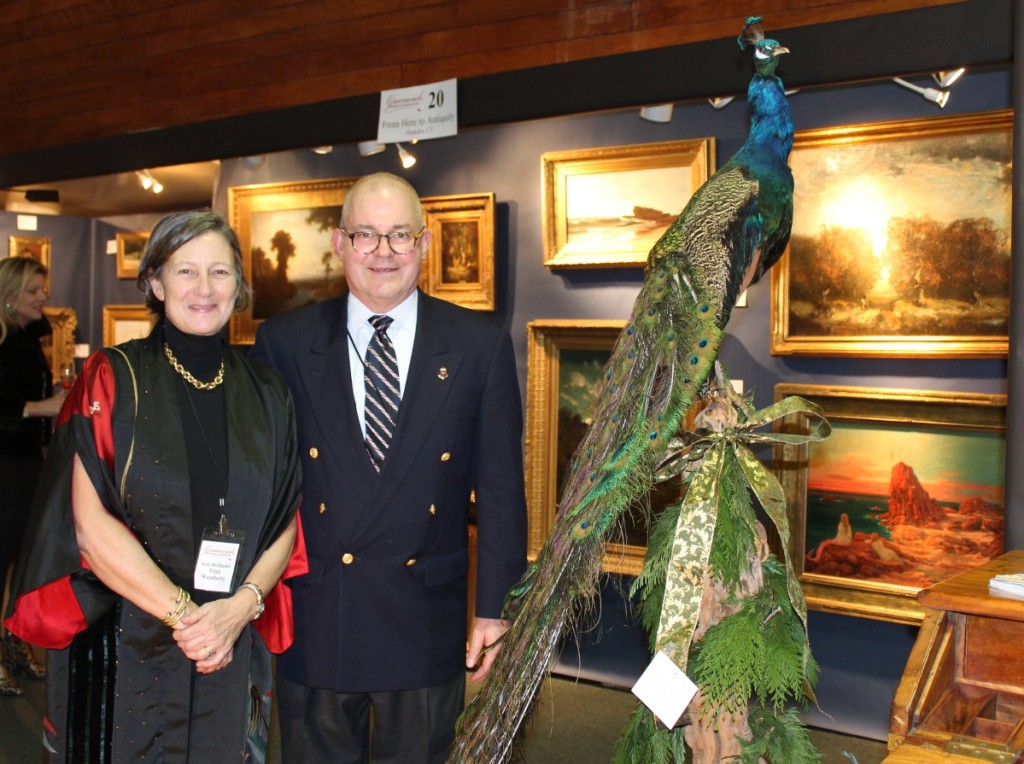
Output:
[[608, 206], [130, 246], [565, 360], [36, 247], [284, 230], [126, 322], [901, 240], [906, 492]]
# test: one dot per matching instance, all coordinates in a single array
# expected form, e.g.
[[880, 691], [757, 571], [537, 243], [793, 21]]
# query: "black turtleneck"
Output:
[[204, 422]]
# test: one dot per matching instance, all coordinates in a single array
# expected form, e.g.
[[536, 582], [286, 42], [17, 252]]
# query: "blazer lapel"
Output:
[[326, 375]]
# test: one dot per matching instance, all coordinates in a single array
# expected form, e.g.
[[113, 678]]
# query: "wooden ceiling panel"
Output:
[[78, 71]]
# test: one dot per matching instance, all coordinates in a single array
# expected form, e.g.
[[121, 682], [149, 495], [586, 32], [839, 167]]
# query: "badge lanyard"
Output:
[[219, 547]]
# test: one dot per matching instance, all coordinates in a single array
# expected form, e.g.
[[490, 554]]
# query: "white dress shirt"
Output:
[[360, 331]]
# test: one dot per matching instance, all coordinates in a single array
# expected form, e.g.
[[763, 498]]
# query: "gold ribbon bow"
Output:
[[695, 529]]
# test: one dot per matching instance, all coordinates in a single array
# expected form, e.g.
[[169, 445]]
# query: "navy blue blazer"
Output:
[[383, 606]]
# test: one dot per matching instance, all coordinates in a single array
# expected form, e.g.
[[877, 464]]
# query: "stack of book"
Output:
[[1011, 584]]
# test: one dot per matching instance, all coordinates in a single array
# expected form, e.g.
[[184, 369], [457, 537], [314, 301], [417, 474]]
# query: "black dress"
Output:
[[24, 376], [122, 690]]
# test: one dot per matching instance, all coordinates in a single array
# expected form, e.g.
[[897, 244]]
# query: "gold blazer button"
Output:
[[410, 563], [445, 456], [323, 507], [347, 558], [313, 453], [433, 509]]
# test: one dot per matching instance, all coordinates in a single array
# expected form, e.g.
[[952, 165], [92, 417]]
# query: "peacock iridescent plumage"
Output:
[[734, 228]]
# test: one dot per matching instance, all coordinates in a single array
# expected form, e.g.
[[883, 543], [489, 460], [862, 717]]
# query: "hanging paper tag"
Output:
[[419, 112], [218, 556], [665, 689]]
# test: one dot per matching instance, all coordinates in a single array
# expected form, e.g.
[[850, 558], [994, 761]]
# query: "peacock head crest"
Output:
[[766, 52]]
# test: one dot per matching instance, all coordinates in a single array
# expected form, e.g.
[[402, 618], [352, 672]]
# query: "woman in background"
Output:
[[174, 476], [27, 402]]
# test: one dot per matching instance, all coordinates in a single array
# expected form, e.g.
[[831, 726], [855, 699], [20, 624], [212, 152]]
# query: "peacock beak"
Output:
[[779, 51]]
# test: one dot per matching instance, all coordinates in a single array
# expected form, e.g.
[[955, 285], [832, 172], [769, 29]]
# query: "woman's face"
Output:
[[29, 304], [198, 285]]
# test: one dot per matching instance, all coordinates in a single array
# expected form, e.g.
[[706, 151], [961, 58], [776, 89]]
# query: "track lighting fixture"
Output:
[[945, 79], [148, 182], [938, 97], [369, 148], [720, 102], [322, 150], [408, 160], [660, 113]]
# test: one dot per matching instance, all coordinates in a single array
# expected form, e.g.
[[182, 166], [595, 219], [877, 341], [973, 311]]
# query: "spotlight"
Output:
[[408, 160], [369, 148], [945, 79], [720, 102], [322, 150], [938, 97], [157, 186], [145, 179], [660, 113]]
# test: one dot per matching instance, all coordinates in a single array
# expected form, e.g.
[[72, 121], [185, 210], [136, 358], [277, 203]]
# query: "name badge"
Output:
[[218, 558]]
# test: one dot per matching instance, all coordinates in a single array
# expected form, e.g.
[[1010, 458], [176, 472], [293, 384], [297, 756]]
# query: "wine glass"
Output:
[[67, 376]]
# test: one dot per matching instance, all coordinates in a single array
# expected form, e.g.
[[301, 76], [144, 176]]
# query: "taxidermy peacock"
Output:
[[734, 228]]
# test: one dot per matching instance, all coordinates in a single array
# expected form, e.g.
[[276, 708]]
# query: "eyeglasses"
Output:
[[400, 242]]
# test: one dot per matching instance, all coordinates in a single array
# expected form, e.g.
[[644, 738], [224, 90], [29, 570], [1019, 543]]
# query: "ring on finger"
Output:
[[208, 653]]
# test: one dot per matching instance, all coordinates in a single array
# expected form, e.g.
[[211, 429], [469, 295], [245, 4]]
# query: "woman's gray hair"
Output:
[[171, 234]]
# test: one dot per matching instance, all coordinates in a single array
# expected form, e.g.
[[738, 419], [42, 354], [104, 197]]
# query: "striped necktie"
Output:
[[382, 390]]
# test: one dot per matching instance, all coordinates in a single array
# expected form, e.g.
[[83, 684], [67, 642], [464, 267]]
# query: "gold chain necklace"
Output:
[[188, 377]]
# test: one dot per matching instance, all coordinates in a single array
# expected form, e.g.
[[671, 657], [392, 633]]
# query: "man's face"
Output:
[[381, 280]]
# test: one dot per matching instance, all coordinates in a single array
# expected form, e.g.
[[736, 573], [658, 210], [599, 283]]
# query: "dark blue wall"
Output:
[[861, 659]]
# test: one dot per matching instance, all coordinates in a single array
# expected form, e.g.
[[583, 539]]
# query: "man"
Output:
[[376, 671]]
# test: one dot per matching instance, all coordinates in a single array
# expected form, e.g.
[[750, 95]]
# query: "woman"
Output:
[[184, 484], [26, 404]]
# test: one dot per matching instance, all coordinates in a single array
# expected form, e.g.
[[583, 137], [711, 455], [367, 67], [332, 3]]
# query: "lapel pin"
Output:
[[442, 373]]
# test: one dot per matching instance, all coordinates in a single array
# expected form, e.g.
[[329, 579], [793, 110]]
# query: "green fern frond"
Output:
[[725, 664], [735, 539], [778, 738], [644, 741]]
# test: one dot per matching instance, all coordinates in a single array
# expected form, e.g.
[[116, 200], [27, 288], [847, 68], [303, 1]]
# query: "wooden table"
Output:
[[961, 697]]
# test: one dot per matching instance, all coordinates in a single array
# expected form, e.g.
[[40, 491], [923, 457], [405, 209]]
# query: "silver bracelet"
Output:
[[255, 589]]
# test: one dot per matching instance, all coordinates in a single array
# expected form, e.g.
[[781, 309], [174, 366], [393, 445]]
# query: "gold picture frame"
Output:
[[36, 247], [871, 509], [59, 347], [130, 246], [607, 207], [901, 241], [459, 265], [547, 444], [294, 221], [126, 322]]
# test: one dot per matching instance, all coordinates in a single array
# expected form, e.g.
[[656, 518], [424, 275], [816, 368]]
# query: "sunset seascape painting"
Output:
[[903, 506]]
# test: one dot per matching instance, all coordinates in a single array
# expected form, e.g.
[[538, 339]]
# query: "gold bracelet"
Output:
[[180, 606], [255, 589]]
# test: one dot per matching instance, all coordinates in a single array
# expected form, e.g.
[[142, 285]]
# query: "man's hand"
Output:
[[486, 632]]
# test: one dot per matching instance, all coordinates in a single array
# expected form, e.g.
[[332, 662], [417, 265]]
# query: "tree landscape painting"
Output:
[[900, 232], [901, 505], [293, 260]]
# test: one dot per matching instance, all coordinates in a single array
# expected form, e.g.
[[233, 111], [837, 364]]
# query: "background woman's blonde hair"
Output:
[[15, 273]]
